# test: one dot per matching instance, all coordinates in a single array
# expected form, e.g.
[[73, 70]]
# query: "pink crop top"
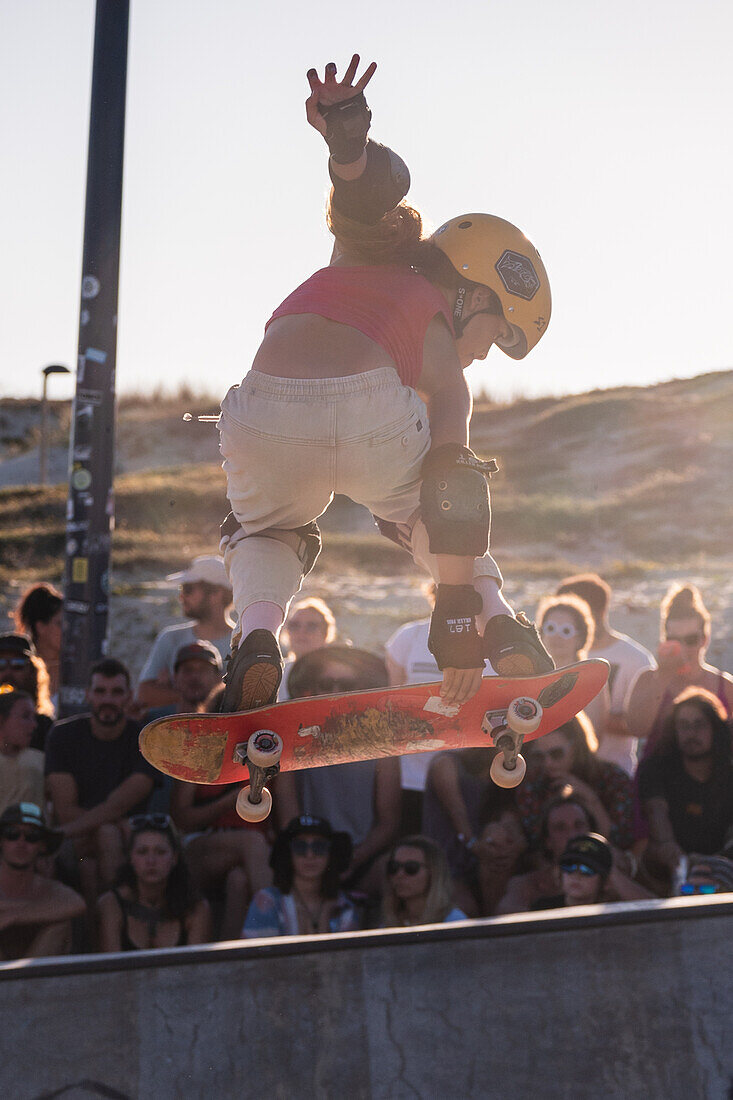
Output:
[[391, 305]]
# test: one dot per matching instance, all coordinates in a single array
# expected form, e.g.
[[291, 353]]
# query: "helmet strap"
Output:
[[459, 319]]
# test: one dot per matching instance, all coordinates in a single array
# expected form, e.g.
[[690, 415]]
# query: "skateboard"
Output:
[[337, 729]]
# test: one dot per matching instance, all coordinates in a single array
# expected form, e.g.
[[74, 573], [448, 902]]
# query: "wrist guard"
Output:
[[347, 126], [380, 188], [454, 501], [453, 639]]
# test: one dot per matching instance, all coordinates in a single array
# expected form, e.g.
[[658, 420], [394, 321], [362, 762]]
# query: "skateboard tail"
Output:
[[175, 749]]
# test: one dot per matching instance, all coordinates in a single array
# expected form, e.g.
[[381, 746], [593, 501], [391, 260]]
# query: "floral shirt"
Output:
[[273, 913], [612, 785]]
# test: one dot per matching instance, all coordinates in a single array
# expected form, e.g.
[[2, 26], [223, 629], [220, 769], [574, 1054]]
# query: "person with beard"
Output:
[[197, 671], [35, 911], [206, 596], [686, 784], [96, 776]]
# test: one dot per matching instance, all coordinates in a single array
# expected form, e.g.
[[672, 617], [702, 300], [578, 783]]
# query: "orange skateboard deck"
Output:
[[337, 729]]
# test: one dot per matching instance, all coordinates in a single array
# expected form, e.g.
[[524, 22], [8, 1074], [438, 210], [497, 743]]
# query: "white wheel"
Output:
[[523, 715], [264, 748], [253, 811], [502, 776]]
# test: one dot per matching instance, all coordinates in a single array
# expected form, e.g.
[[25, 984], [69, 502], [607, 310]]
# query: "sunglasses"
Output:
[[157, 822], [685, 639], [310, 847], [31, 836], [572, 868], [329, 685], [566, 631], [411, 867], [698, 888], [13, 662]]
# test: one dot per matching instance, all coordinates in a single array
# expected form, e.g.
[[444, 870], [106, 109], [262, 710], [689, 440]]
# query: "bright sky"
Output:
[[602, 130]]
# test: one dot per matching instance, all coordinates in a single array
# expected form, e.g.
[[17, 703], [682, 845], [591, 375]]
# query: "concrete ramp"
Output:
[[621, 1001]]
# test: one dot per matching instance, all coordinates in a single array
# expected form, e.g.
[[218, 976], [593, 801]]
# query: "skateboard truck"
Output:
[[508, 728], [262, 755]]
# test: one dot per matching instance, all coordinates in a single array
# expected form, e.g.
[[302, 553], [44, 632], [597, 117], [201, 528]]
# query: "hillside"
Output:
[[627, 481]]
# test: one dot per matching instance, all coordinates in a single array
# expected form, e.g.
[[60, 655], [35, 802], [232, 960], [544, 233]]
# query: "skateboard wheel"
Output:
[[505, 778], [264, 748], [253, 811], [523, 715]]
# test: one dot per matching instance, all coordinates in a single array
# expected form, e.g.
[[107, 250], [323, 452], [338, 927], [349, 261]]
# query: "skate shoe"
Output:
[[253, 674], [514, 647]]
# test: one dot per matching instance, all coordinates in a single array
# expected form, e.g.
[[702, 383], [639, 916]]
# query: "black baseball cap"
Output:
[[591, 849], [202, 650], [17, 643]]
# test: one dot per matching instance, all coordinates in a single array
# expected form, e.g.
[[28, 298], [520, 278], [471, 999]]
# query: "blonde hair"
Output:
[[579, 611], [314, 603], [439, 898], [392, 240]]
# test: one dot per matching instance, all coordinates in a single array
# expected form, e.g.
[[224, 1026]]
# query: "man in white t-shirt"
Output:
[[409, 661], [627, 659], [206, 597]]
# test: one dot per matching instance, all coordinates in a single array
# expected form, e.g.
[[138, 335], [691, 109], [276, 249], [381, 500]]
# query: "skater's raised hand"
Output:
[[327, 92]]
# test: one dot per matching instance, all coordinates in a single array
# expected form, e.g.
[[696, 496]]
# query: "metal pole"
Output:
[[90, 510], [44, 430]]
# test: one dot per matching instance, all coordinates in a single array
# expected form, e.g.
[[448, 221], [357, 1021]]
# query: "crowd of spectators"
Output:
[[98, 852]]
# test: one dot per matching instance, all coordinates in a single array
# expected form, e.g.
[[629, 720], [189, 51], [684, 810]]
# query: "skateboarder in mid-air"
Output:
[[358, 388]]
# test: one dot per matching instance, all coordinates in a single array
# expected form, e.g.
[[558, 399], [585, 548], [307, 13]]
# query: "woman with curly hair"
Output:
[[686, 782]]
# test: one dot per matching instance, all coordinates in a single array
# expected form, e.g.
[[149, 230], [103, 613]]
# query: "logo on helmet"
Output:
[[518, 275]]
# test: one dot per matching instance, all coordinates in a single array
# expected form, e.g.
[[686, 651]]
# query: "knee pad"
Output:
[[305, 541], [454, 501]]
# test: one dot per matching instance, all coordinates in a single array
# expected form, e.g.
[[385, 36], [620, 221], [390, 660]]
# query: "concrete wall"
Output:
[[616, 1001]]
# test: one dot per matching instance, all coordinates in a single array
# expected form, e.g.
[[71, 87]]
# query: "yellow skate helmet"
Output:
[[488, 250]]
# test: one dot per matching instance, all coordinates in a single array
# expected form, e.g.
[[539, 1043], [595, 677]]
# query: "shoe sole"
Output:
[[259, 686]]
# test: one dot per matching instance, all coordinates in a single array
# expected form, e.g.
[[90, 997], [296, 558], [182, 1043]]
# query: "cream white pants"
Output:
[[289, 444]]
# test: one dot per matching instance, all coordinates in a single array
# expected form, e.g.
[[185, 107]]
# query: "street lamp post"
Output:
[[54, 368]]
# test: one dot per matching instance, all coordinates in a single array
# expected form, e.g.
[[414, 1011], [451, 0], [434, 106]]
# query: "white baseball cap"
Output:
[[208, 568]]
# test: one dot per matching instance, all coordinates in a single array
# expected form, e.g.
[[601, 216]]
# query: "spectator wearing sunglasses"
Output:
[[419, 889], [566, 759], [206, 598], [35, 911], [564, 818], [686, 783], [707, 875], [308, 859], [684, 639], [153, 903], [627, 659], [22, 668], [585, 868], [362, 799], [310, 624], [21, 767], [567, 630]]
